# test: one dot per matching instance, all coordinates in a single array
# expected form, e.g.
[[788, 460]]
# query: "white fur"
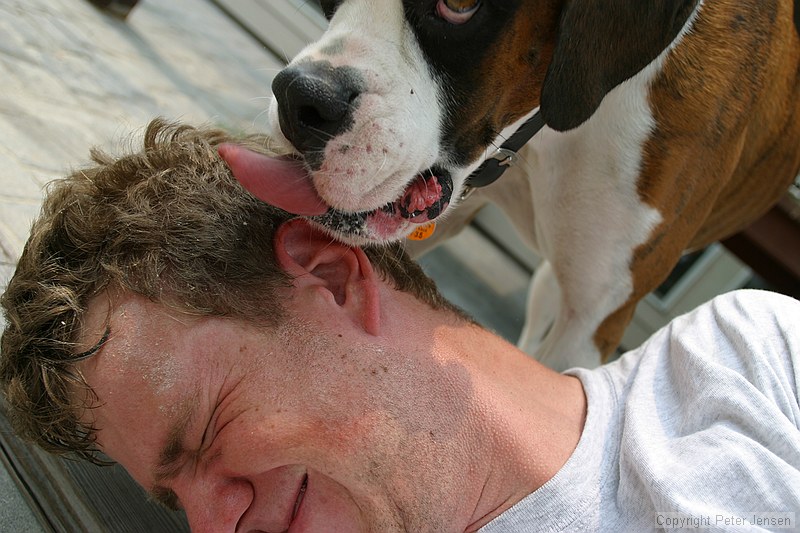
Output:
[[588, 219], [573, 198]]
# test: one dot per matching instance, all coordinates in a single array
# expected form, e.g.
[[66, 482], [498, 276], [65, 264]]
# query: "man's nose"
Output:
[[316, 102], [215, 506]]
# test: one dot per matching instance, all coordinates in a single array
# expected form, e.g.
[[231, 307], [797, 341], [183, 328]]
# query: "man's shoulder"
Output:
[[711, 406], [687, 421], [739, 329], [743, 346], [745, 330], [741, 349]]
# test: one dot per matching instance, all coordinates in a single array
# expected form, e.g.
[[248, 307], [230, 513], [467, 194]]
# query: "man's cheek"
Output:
[[330, 506]]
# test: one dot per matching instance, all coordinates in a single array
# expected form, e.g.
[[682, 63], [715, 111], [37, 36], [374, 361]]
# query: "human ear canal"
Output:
[[314, 259]]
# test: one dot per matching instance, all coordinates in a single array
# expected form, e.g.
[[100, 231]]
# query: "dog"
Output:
[[665, 125]]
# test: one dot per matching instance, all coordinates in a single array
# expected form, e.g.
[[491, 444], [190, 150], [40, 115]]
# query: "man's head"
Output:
[[318, 424], [167, 222], [240, 363]]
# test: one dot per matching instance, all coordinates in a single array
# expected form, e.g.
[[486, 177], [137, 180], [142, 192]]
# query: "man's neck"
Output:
[[511, 423], [532, 420]]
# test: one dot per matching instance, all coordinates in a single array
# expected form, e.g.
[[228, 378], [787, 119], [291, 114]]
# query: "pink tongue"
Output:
[[282, 182]]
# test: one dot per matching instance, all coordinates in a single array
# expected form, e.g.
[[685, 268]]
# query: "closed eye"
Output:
[[166, 497]]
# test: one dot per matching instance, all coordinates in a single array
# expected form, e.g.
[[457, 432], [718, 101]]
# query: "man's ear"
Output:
[[340, 273]]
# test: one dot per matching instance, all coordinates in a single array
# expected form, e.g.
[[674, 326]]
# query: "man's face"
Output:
[[244, 427]]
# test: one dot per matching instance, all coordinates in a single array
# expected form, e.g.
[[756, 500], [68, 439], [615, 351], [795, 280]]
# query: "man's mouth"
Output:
[[284, 183], [299, 500]]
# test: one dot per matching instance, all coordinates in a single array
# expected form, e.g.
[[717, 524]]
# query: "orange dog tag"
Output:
[[423, 232]]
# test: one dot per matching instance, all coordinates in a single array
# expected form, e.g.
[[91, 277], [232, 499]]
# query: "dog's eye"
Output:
[[457, 11]]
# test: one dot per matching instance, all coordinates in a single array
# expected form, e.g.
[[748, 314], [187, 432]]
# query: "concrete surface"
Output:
[[15, 515]]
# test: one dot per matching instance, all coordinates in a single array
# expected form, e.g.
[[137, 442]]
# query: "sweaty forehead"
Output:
[[141, 385], [141, 352], [143, 339]]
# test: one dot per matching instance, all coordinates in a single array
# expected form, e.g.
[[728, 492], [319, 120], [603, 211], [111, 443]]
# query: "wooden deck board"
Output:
[[69, 496]]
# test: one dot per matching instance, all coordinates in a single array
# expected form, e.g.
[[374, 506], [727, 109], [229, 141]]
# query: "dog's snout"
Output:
[[315, 102]]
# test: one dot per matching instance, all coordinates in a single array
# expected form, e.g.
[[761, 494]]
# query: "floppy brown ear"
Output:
[[600, 44]]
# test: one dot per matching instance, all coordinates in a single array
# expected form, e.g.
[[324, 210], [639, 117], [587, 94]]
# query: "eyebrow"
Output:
[[170, 459]]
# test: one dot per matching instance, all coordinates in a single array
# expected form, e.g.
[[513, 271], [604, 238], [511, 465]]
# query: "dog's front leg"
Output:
[[544, 299], [586, 219], [572, 326]]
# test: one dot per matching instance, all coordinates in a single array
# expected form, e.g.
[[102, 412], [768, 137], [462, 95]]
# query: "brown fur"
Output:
[[725, 148], [506, 88]]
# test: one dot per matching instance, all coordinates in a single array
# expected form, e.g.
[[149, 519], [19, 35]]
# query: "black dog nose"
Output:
[[316, 102]]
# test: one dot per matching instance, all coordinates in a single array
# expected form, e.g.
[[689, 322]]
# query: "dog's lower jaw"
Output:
[[361, 229], [427, 197], [358, 233], [375, 227]]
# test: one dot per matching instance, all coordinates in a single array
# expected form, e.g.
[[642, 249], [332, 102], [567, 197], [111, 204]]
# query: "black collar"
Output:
[[505, 156]]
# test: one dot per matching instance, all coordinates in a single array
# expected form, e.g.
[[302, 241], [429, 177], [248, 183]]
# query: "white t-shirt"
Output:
[[698, 429]]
